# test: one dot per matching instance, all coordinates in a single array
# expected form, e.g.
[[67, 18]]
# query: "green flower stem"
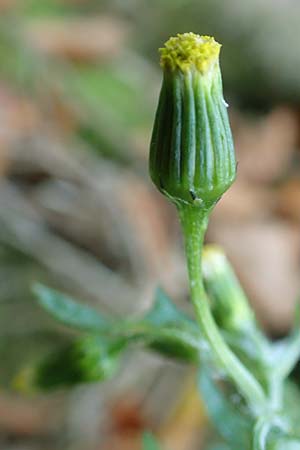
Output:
[[194, 221], [290, 357]]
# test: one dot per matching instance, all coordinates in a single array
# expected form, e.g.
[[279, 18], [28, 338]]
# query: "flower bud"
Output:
[[229, 303], [87, 359], [191, 155]]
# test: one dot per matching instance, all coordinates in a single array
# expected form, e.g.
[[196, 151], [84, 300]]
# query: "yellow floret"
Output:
[[187, 50]]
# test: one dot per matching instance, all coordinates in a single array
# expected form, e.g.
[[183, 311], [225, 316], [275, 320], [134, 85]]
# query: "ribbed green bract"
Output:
[[192, 156]]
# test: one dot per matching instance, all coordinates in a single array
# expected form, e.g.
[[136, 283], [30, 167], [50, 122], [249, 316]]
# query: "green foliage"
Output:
[[96, 355], [227, 412], [174, 333], [169, 331], [164, 312], [149, 442], [68, 312], [219, 447], [45, 8], [165, 328]]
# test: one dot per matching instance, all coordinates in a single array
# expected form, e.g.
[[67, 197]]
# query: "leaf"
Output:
[[164, 312], [174, 334], [234, 424], [67, 311], [164, 328], [149, 442], [219, 447]]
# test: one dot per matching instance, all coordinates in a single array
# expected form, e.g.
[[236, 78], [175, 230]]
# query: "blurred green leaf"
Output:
[[174, 334], [149, 442], [123, 100], [230, 418], [165, 312], [164, 328], [219, 447], [64, 309], [43, 8], [80, 89]]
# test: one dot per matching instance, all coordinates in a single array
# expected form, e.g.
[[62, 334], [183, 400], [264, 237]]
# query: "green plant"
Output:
[[243, 377]]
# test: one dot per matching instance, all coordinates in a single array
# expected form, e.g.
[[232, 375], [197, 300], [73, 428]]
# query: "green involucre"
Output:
[[192, 156]]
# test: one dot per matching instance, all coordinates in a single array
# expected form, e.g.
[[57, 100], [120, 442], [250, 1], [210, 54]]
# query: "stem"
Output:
[[290, 356], [194, 221]]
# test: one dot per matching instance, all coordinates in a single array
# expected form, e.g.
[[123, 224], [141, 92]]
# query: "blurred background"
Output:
[[79, 83]]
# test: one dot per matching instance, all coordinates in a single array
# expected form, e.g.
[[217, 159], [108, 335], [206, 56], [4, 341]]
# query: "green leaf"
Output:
[[67, 311], [149, 442], [164, 328], [232, 420], [172, 332], [164, 312], [219, 447]]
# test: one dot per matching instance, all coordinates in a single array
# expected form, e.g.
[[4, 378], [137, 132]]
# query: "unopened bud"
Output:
[[192, 155], [229, 303]]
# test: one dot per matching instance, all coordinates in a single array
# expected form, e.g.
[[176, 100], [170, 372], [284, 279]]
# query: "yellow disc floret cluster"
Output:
[[189, 50]]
